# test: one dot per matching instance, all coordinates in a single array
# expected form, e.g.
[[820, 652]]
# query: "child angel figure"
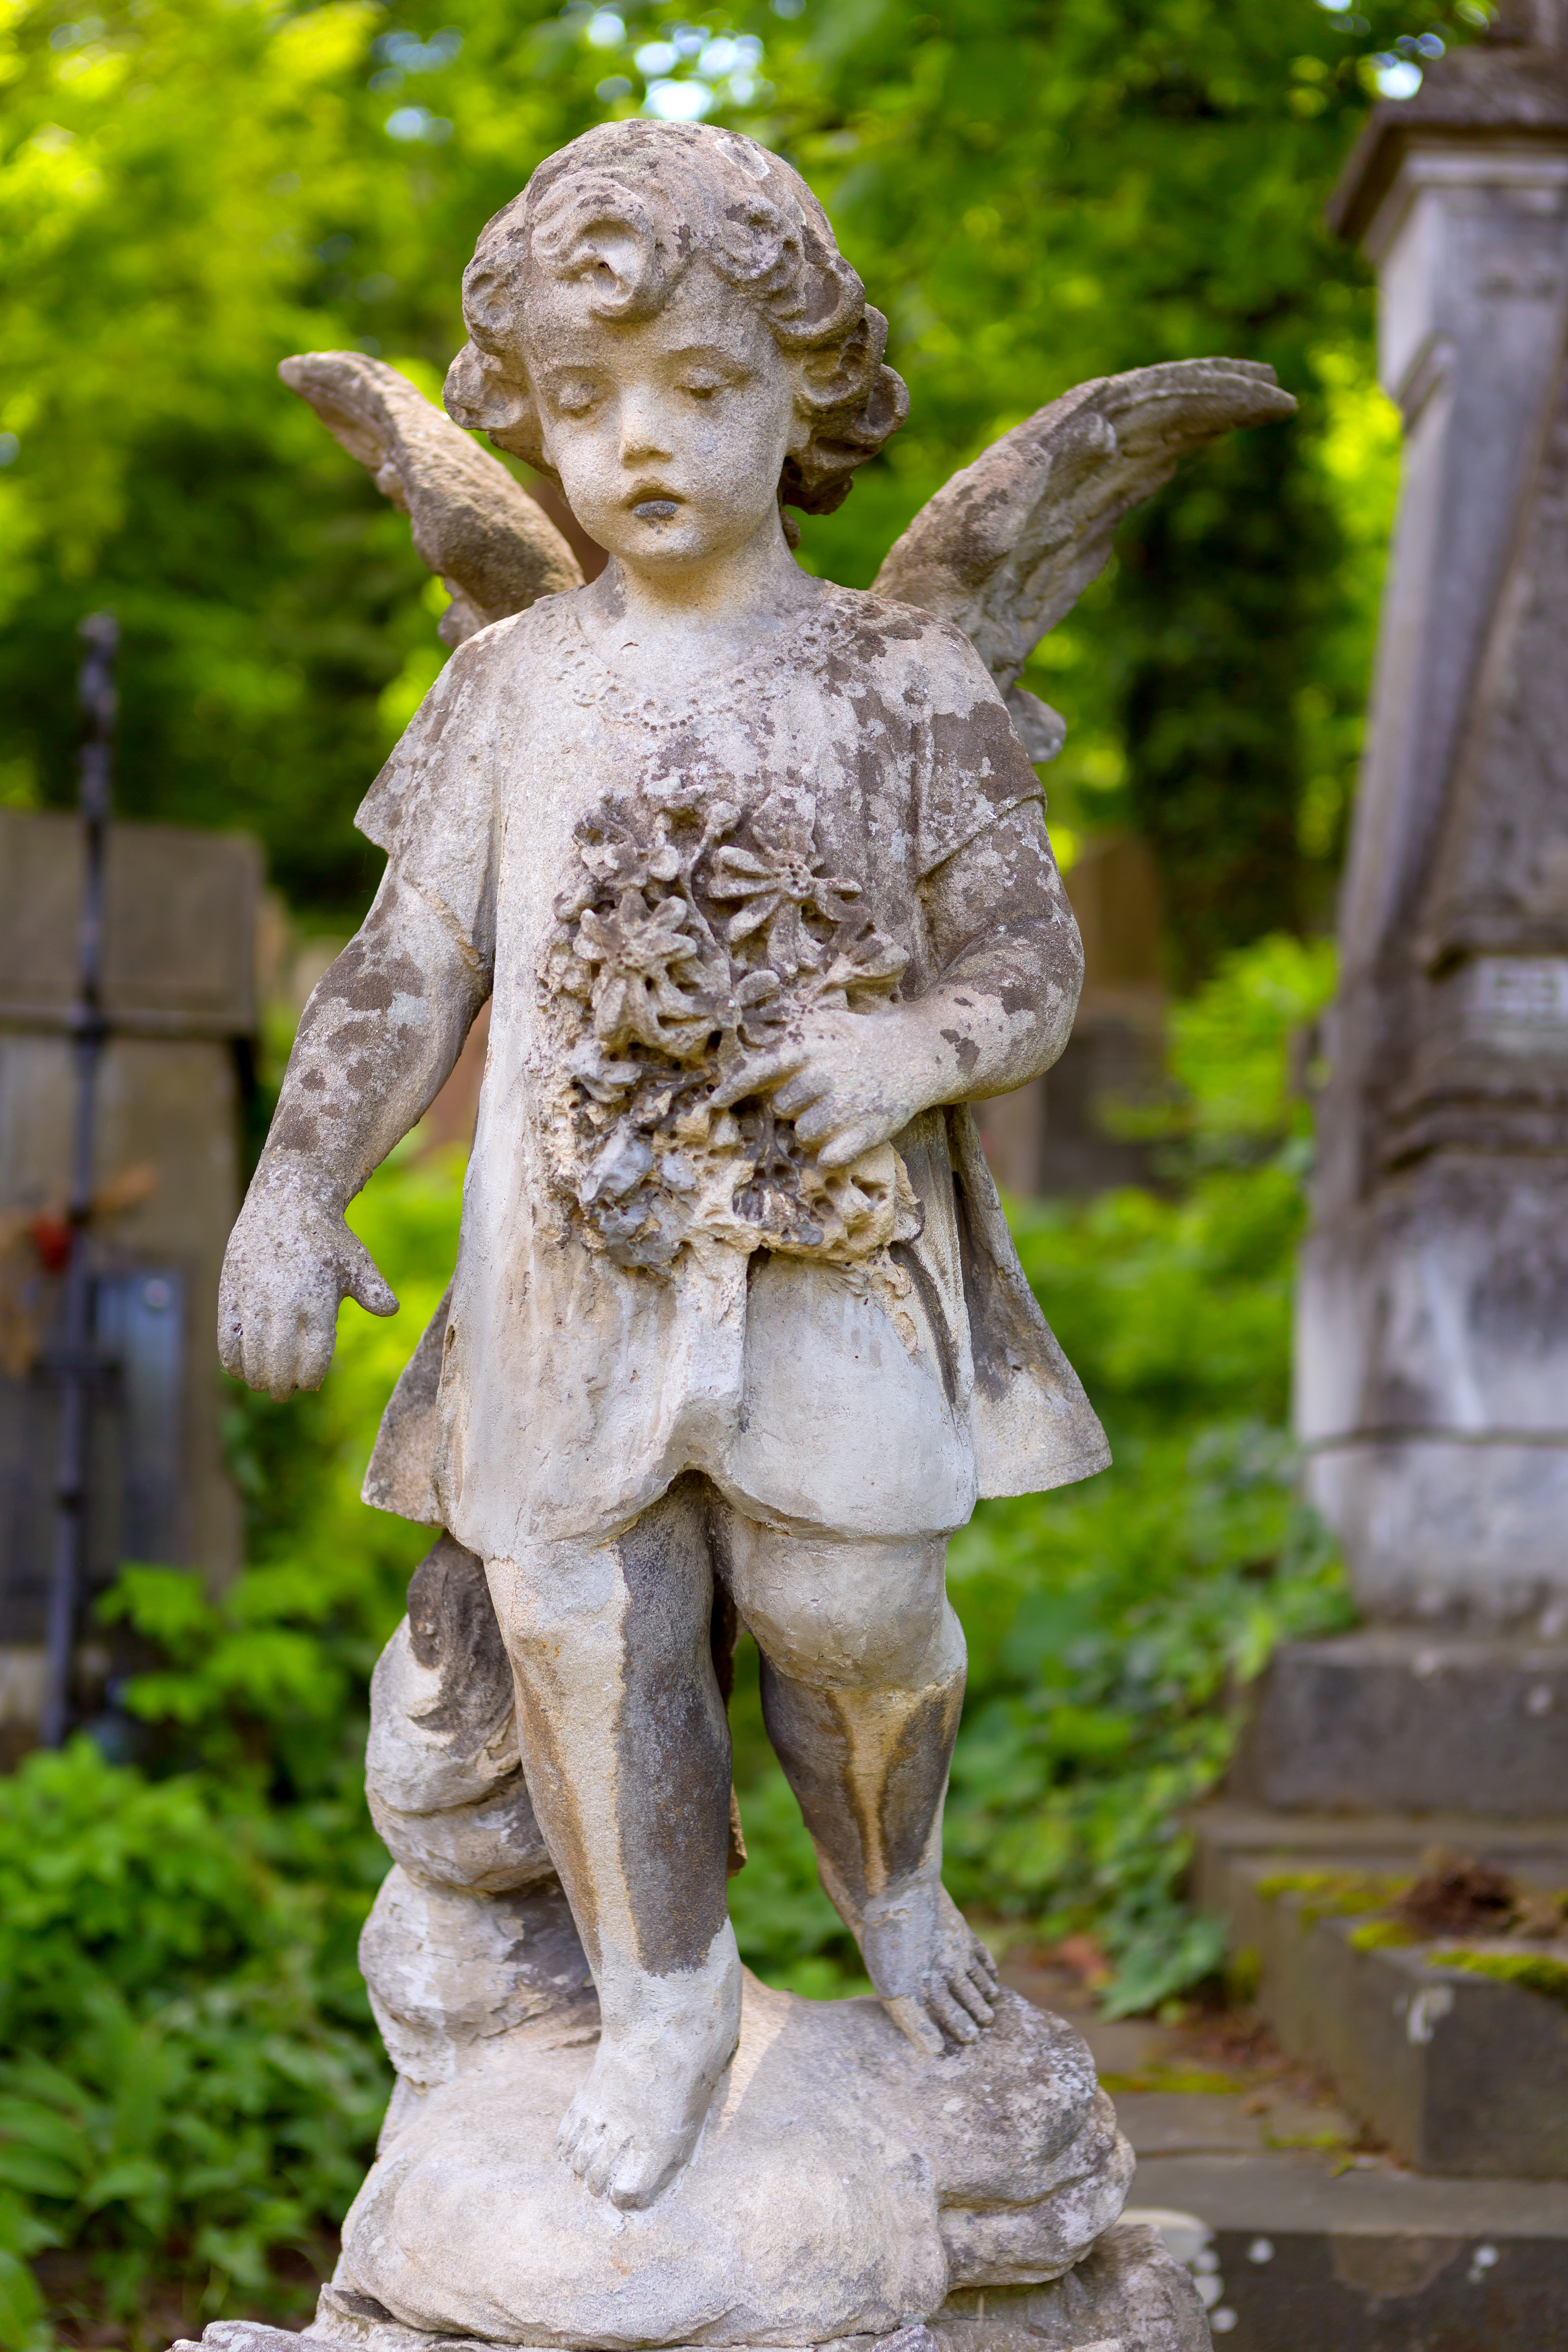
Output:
[[755, 871]]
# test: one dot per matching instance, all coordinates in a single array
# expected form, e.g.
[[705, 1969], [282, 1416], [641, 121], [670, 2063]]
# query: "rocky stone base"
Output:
[[1127, 2296], [844, 2184]]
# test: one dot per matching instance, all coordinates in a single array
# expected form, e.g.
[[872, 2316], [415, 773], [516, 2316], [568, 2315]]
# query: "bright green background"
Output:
[[1034, 191]]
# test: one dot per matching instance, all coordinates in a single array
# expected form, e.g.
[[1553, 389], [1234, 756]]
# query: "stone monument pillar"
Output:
[[1432, 1331], [1432, 1327]]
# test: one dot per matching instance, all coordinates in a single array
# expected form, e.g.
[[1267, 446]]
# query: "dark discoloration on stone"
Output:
[[672, 1737], [870, 1815], [915, 1776], [366, 984], [294, 1130], [723, 1632], [992, 1357], [965, 1049], [936, 1321], [1006, 1327], [1129, 2289], [350, 1034], [980, 746], [472, 523], [810, 1736], [453, 1629]]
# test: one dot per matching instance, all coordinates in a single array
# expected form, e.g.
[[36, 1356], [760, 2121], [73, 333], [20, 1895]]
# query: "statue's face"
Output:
[[669, 434]]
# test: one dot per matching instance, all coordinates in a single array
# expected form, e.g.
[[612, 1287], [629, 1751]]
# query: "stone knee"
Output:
[[557, 1604], [851, 1613]]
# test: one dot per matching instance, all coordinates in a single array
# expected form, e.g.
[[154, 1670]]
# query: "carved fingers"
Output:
[[286, 1270], [846, 1080]]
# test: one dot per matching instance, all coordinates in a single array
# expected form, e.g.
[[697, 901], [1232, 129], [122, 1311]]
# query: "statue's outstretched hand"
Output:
[[291, 1262]]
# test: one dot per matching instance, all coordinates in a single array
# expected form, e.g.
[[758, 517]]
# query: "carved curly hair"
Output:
[[628, 206]]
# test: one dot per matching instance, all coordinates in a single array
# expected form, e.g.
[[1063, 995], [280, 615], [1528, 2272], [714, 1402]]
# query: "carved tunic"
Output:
[[653, 1274]]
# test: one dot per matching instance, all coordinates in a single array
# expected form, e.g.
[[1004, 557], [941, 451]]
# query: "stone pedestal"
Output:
[[1400, 1720]]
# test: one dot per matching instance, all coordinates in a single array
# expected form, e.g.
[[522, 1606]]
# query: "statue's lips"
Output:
[[656, 510]]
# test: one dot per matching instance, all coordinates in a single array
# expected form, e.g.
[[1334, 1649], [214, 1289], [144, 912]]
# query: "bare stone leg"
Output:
[[863, 1668], [625, 1749]]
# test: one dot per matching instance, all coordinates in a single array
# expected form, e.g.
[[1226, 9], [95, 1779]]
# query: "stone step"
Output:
[[1400, 1720], [1459, 2069], [1297, 2242], [1231, 1829], [1294, 2254]]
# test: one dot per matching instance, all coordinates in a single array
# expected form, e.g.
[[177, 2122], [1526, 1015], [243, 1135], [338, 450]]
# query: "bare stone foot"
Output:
[[935, 1976], [664, 2044]]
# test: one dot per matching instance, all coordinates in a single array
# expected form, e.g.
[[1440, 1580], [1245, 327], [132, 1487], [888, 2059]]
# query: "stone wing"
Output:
[[494, 546], [1008, 545]]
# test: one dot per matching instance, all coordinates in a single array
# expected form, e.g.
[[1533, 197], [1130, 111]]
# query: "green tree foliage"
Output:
[[1035, 191]]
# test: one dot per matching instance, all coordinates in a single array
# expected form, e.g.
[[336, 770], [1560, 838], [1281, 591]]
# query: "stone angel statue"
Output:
[[755, 870]]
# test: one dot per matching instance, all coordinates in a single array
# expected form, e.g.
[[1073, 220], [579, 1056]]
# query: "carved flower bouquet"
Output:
[[692, 941]]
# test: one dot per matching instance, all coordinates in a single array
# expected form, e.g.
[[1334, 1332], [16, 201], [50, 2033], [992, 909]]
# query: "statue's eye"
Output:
[[575, 395], [702, 387]]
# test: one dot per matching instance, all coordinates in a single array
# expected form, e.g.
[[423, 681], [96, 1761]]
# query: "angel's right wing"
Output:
[[1008, 545], [493, 545]]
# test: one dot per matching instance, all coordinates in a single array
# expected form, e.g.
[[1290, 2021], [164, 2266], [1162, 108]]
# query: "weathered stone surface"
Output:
[[843, 2183], [1432, 1353], [448, 1970], [1129, 2288], [753, 872], [1010, 543], [1130, 2283], [1458, 2072], [472, 523], [443, 1773], [1396, 1719]]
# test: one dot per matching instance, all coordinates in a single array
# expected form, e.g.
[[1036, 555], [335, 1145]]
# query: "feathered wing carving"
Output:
[[494, 546], [1004, 550], [1008, 545]]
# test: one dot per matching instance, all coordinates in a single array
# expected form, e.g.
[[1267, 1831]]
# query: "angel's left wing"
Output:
[[494, 546], [1008, 545]]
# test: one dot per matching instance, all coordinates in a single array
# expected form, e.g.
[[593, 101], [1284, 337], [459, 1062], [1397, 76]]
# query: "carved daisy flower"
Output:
[[779, 883], [861, 965], [617, 859], [638, 953]]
